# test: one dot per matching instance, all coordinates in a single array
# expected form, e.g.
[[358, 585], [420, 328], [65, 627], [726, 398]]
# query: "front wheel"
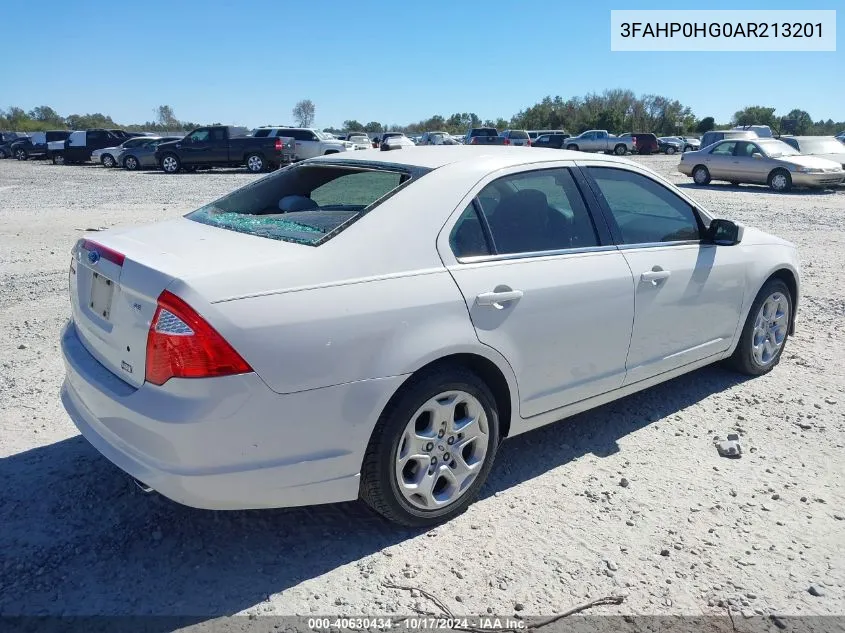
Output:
[[766, 330], [780, 180], [58, 159], [107, 160], [255, 163], [170, 164], [573, 147], [700, 175], [432, 449]]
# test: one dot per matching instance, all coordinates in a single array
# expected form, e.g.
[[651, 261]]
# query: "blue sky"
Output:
[[248, 63]]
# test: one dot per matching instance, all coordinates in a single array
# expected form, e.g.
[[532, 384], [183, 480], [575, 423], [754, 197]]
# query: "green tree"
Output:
[[352, 125], [373, 126], [303, 113], [803, 120], [705, 125], [755, 115]]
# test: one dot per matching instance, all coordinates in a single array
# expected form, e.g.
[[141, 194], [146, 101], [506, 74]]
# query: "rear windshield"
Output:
[[306, 204], [484, 132], [518, 134]]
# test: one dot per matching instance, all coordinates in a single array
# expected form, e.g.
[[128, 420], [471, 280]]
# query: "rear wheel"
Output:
[[131, 163], [620, 150], [255, 163], [670, 150], [21, 154], [780, 180], [170, 164], [765, 332], [700, 175], [432, 448]]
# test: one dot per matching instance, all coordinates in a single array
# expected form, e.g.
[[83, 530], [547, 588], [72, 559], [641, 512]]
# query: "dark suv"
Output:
[[35, 145]]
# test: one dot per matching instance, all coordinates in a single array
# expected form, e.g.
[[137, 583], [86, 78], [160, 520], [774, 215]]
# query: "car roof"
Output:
[[806, 138], [434, 157]]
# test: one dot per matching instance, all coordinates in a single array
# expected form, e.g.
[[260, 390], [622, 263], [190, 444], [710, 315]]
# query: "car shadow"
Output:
[[758, 189], [79, 539]]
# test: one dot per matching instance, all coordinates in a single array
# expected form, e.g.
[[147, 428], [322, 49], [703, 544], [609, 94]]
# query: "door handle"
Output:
[[655, 275], [496, 299]]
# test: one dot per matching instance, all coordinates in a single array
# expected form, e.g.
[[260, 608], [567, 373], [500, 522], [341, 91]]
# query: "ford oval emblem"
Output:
[[93, 257]]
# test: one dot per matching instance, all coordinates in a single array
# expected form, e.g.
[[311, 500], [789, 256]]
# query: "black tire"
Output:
[[131, 163], [170, 164], [620, 150], [780, 180], [703, 175], [255, 163], [107, 160], [742, 360], [670, 150], [58, 159], [21, 154], [687, 148], [2, 154], [573, 147], [378, 481]]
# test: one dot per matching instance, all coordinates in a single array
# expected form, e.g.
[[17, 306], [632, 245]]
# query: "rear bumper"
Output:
[[225, 443]]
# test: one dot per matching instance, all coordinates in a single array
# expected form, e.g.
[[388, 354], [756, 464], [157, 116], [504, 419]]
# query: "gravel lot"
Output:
[[628, 499]]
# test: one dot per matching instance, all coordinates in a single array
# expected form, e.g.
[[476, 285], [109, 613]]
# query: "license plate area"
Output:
[[102, 291]]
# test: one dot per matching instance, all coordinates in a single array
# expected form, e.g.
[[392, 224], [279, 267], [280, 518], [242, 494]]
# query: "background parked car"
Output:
[[221, 146], [107, 156], [600, 141], [555, 141], [670, 145], [35, 145], [718, 135], [532, 134], [80, 144], [141, 154], [6, 140], [516, 138], [432, 138], [822, 146], [359, 140], [645, 142], [691, 143], [760, 161], [483, 136], [841, 137]]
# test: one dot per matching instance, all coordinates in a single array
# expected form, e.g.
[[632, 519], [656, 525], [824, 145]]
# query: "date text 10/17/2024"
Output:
[[421, 623]]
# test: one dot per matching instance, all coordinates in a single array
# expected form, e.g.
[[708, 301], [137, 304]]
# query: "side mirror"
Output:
[[725, 232], [756, 155]]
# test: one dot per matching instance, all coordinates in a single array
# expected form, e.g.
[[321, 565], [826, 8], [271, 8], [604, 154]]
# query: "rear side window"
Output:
[[261, 133], [305, 204], [528, 212]]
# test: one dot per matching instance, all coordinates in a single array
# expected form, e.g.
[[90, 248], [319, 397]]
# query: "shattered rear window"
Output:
[[305, 204]]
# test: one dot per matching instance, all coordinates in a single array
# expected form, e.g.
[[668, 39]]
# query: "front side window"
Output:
[[536, 211], [724, 149], [199, 136], [644, 210]]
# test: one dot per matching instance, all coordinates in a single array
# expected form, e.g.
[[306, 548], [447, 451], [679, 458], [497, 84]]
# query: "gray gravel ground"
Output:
[[687, 534]]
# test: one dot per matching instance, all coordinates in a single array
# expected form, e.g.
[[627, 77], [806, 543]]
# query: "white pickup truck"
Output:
[[308, 143], [600, 141]]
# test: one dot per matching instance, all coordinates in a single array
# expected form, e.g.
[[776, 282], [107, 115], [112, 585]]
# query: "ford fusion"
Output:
[[373, 326]]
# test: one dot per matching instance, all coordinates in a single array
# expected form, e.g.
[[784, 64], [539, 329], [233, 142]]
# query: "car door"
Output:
[[689, 292], [196, 147], [307, 144], [720, 161], [543, 284], [746, 166]]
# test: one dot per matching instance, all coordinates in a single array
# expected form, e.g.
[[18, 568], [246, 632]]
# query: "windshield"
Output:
[[324, 136], [821, 146], [305, 204], [776, 149]]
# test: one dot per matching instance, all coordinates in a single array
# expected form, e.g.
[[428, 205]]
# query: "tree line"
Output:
[[614, 110]]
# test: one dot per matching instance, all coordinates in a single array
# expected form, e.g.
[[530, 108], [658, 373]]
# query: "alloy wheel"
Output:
[[442, 450], [770, 329]]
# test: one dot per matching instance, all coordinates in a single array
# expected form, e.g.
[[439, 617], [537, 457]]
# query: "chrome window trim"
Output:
[[626, 247], [481, 259]]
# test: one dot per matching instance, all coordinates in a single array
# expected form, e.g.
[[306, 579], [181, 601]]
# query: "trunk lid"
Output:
[[115, 280]]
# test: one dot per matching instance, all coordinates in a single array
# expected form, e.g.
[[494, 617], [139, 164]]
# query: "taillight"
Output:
[[507, 142], [278, 144], [104, 252], [528, 142], [181, 344], [473, 140]]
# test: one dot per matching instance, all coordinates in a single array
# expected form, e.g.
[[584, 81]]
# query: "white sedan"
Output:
[[374, 325]]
